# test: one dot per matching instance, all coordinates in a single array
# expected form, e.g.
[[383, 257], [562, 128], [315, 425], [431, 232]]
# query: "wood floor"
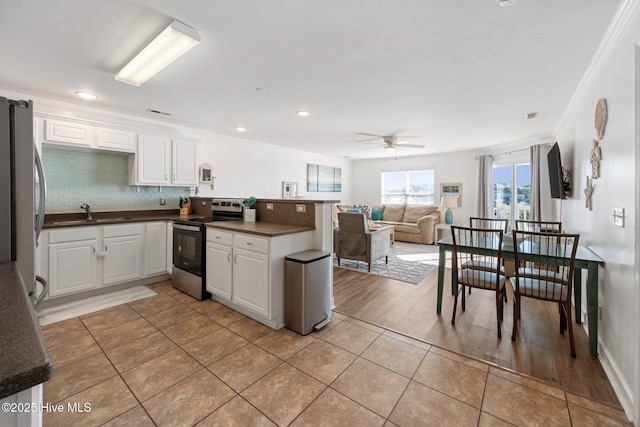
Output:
[[540, 350]]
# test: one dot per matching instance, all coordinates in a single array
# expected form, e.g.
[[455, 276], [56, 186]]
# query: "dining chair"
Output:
[[485, 223], [539, 226], [473, 242], [546, 266]]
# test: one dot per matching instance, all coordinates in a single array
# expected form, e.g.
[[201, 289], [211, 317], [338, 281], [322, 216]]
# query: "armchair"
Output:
[[353, 240]]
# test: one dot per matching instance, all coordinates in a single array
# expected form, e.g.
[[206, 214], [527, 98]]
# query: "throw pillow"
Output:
[[376, 214], [355, 210], [365, 209]]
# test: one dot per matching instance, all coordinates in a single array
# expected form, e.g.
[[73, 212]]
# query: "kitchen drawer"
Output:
[[73, 234], [122, 230], [217, 236], [252, 243]]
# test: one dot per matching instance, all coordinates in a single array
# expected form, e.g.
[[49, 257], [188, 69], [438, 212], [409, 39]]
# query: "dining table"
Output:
[[586, 259]]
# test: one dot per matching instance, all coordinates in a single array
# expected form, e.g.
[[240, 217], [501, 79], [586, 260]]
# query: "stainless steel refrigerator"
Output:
[[21, 180]]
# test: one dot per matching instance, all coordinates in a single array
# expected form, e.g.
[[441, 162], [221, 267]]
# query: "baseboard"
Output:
[[620, 386]]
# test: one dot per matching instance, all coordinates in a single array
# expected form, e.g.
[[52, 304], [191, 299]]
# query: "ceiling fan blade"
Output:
[[400, 137], [399, 131], [411, 145], [370, 134]]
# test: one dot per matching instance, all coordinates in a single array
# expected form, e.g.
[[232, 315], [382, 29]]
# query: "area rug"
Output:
[[408, 262]]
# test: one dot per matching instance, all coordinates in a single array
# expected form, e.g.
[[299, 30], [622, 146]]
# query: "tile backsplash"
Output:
[[101, 180]]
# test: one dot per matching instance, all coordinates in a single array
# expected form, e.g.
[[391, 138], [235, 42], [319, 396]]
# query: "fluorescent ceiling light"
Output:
[[86, 95], [169, 45]]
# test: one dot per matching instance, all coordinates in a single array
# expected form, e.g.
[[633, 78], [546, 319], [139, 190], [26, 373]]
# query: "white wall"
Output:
[[614, 80], [249, 168], [460, 167]]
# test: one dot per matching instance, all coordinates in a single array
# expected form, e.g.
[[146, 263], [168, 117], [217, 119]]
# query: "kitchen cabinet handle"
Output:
[[249, 244], [106, 248], [235, 259], [229, 256], [174, 176], [94, 249], [165, 176]]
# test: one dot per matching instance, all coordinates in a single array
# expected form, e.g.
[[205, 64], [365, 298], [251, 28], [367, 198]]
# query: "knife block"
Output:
[[185, 210]]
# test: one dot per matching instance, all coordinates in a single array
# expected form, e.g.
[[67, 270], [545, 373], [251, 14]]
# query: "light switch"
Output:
[[269, 206], [618, 217], [301, 208]]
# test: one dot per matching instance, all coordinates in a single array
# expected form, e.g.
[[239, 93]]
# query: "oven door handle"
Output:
[[186, 227]]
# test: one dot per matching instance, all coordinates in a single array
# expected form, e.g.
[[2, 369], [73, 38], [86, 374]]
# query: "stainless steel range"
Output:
[[189, 240]]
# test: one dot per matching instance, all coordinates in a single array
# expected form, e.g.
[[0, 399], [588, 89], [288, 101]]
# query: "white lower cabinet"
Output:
[[155, 248], [122, 253], [219, 263], [78, 259], [72, 261], [246, 272], [251, 280]]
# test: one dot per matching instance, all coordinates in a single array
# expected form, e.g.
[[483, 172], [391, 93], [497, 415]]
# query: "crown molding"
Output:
[[617, 25]]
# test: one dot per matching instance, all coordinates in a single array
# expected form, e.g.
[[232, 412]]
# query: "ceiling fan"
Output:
[[391, 143]]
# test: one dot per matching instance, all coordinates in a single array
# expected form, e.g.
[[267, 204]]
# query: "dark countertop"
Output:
[[24, 360], [116, 217], [269, 229]]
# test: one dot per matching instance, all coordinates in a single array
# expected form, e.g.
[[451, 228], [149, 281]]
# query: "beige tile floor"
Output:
[[172, 360]]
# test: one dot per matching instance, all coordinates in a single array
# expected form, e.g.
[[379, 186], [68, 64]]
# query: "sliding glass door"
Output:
[[511, 190]]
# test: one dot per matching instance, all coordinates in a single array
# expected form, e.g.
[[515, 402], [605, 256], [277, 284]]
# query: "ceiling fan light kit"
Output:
[[173, 42]]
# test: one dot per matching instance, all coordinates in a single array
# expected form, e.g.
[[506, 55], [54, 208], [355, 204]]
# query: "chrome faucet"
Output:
[[87, 209]]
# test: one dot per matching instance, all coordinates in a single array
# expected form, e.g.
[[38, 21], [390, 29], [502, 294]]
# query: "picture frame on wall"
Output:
[[323, 178], [452, 190], [289, 189]]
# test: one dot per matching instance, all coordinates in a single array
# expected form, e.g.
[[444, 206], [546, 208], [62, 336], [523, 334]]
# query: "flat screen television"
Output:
[[555, 173]]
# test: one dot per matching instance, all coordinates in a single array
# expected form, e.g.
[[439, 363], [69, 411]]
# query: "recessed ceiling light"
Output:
[[86, 95], [303, 113], [530, 116], [241, 129]]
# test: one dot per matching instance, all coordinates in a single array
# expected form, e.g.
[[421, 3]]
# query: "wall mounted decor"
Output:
[[452, 190], [601, 117], [289, 189], [594, 158], [323, 178], [588, 191]]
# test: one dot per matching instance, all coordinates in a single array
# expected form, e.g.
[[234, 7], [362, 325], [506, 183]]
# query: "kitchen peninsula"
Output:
[[246, 260]]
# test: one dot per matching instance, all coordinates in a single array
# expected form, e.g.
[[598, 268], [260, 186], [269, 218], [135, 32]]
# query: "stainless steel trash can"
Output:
[[307, 303]]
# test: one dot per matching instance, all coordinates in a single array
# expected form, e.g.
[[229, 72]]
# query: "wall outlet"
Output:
[[301, 208], [204, 203], [163, 201], [269, 206]]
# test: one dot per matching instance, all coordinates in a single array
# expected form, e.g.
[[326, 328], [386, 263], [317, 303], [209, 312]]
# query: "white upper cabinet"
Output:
[[151, 161], [69, 133], [163, 161], [81, 135], [116, 139], [184, 166]]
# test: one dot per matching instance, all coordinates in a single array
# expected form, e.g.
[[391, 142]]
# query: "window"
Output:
[[506, 204], [408, 187]]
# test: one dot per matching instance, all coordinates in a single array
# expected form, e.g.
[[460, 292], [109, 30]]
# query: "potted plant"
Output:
[[249, 212]]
